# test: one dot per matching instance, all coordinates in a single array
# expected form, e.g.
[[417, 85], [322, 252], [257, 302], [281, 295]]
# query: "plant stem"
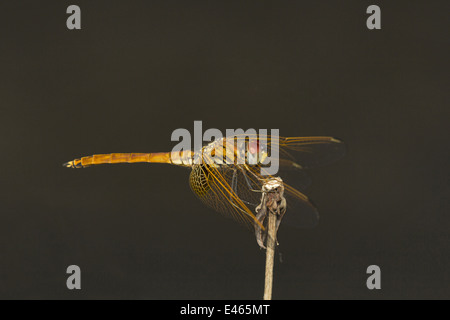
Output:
[[270, 254]]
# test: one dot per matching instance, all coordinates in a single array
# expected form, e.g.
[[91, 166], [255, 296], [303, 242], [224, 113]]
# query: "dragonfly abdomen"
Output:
[[161, 157]]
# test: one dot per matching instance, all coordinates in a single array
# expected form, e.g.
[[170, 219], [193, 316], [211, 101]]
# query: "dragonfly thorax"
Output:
[[230, 151]]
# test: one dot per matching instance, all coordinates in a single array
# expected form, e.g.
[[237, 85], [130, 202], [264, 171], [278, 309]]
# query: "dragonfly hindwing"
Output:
[[199, 180]]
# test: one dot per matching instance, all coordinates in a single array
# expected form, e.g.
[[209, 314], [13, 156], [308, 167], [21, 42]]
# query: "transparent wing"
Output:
[[306, 152], [217, 188], [293, 173], [234, 190], [309, 152]]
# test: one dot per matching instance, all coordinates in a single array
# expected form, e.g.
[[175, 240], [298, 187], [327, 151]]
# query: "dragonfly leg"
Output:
[[234, 188], [234, 182], [240, 209], [249, 184]]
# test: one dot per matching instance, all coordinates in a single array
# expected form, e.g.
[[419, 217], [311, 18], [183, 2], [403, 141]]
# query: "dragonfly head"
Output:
[[254, 148]]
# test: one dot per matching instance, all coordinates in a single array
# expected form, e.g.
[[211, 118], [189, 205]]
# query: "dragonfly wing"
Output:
[[310, 152], [218, 187], [234, 190], [294, 174], [300, 211]]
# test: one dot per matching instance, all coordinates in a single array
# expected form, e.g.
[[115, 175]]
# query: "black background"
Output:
[[140, 69]]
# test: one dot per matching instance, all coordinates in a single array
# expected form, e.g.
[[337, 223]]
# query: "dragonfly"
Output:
[[233, 188]]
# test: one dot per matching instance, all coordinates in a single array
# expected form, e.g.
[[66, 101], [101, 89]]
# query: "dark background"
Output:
[[140, 69]]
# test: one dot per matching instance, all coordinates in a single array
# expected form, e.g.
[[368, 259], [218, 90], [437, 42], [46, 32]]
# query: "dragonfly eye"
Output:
[[253, 147], [252, 152], [256, 153]]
